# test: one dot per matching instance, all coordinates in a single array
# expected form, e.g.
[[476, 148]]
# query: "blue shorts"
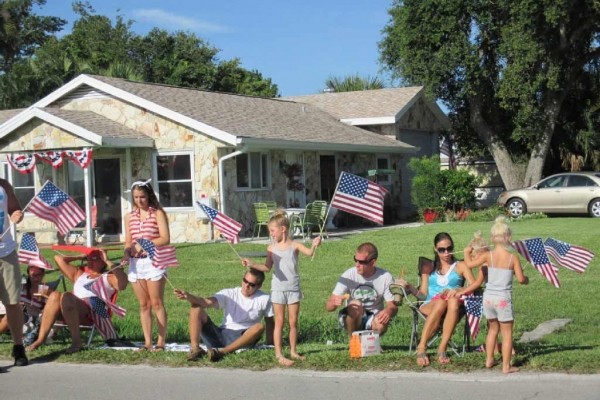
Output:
[[215, 336], [365, 324]]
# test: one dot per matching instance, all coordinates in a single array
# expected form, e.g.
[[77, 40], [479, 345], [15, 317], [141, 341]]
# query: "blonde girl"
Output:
[[282, 257], [497, 297]]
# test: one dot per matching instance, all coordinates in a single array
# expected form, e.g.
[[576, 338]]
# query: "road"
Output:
[[83, 381]]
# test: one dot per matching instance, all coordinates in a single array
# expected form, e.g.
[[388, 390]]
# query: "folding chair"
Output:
[[271, 205], [425, 265], [261, 216], [61, 326]]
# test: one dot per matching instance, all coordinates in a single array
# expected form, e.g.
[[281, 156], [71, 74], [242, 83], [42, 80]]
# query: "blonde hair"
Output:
[[500, 232], [280, 218], [478, 243]]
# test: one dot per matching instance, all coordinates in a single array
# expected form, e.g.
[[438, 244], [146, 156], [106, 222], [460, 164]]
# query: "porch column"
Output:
[[87, 188]]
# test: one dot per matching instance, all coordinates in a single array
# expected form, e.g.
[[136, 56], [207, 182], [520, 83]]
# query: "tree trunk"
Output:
[[511, 174]]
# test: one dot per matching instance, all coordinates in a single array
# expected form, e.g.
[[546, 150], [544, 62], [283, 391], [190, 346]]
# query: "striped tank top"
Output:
[[147, 229]]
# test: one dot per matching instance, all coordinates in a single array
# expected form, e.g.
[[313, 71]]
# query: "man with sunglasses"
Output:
[[243, 309], [363, 288]]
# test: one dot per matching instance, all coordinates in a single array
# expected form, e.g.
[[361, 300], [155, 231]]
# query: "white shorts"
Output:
[[286, 296], [142, 268]]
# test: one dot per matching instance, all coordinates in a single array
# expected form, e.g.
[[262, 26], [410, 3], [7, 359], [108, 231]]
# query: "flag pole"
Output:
[[232, 248], [327, 213]]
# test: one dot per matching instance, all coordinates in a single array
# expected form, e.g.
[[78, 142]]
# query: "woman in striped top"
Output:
[[147, 221]]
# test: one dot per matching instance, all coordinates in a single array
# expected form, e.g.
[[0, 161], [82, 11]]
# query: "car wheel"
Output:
[[516, 207], [594, 208]]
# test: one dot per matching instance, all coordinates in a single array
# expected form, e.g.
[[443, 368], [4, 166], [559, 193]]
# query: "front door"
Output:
[[107, 195], [327, 168]]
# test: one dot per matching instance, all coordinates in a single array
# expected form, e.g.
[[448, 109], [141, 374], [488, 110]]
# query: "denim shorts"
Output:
[[366, 322], [217, 337]]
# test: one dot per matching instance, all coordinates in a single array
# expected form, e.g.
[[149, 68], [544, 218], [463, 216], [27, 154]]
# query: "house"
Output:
[[224, 149]]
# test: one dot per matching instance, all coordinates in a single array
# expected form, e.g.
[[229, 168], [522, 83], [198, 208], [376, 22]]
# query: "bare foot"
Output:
[[297, 356], [286, 362], [510, 370], [490, 363], [422, 359]]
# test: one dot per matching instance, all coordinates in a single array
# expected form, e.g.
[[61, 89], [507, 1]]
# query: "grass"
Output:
[[206, 268]]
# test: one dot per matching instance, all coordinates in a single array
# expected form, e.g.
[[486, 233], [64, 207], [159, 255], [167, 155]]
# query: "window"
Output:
[[174, 172], [252, 171], [383, 163], [75, 183], [23, 184], [578, 181], [555, 181]]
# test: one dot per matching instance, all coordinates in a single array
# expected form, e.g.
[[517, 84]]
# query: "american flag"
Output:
[[359, 196], [161, 256], [29, 253], [533, 250], [569, 256], [54, 205], [474, 307], [101, 318], [100, 287], [229, 227]]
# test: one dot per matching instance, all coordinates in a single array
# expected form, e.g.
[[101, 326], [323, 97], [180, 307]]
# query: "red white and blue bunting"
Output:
[[25, 163]]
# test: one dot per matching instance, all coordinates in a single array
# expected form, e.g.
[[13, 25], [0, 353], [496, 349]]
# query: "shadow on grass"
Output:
[[46, 358], [526, 353]]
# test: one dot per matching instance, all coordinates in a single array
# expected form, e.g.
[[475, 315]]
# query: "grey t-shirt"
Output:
[[370, 291]]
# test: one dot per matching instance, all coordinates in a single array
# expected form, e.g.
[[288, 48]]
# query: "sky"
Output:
[[298, 44]]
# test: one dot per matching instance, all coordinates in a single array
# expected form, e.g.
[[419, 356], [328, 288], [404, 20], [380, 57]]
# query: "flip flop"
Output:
[[143, 348], [158, 349]]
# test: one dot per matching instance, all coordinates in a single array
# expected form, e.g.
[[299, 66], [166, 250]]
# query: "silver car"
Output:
[[566, 193]]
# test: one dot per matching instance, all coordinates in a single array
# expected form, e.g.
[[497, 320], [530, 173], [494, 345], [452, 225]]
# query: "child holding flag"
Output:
[[497, 297], [285, 285]]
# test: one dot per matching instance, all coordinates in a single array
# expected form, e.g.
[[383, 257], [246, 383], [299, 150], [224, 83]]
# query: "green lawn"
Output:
[[206, 268]]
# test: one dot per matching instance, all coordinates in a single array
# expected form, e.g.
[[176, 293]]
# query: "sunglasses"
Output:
[[362, 262], [448, 249], [251, 284]]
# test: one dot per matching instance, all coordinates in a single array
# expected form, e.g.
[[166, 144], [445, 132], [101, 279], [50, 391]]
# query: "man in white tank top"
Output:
[[10, 272]]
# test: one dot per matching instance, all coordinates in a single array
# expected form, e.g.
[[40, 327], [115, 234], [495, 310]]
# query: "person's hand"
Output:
[[526, 280], [316, 241], [181, 294], [16, 216], [467, 251], [339, 299], [247, 263], [383, 316]]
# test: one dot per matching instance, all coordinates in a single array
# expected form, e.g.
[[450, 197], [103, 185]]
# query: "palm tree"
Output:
[[353, 83]]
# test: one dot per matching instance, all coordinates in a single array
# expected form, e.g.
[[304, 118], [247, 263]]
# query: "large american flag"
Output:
[[100, 287], [474, 308], [161, 256], [533, 250], [29, 253], [54, 205], [229, 227], [359, 196], [572, 257]]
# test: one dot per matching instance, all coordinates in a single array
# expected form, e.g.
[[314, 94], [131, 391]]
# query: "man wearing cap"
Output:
[[364, 288]]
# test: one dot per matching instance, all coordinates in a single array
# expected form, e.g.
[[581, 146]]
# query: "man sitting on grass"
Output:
[[243, 309]]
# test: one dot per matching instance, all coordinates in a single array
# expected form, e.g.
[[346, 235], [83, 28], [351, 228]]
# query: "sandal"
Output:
[[158, 349], [422, 359], [443, 358], [143, 348], [73, 350]]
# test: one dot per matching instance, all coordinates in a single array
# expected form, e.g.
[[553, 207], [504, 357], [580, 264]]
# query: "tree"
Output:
[[353, 83], [503, 69]]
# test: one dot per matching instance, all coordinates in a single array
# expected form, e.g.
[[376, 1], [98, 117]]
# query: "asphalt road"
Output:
[[75, 381]]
